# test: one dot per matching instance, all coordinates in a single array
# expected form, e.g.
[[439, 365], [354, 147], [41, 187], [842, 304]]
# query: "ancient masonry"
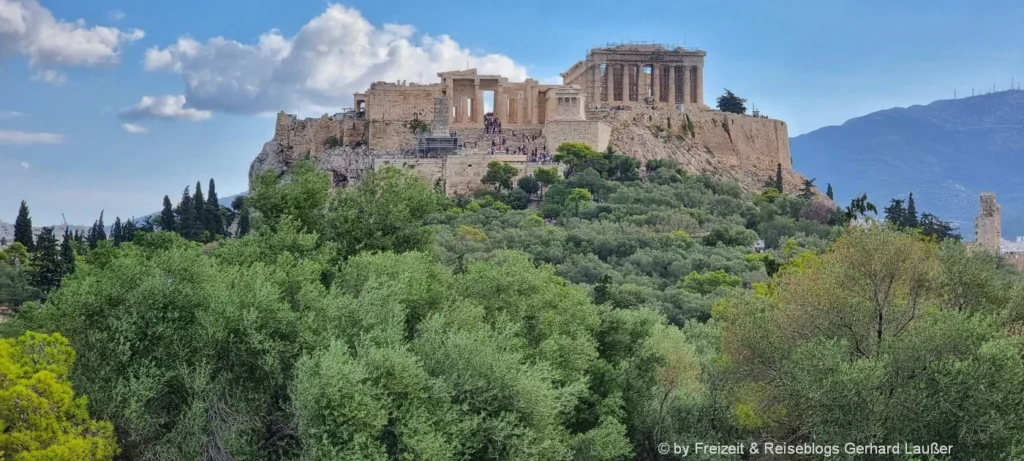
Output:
[[437, 129], [988, 233]]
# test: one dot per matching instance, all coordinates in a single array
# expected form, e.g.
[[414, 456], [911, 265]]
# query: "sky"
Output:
[[112, 104]]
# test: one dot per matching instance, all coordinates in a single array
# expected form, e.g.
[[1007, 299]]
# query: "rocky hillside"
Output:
[[946, 152]]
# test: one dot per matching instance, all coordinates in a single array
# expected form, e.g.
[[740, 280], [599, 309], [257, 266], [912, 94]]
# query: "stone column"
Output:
[[672, 86], [499, 106], [686, 85], [595, 95], [609, 82], [699, 97], [450, 92], [475, 115], [656, 83], [625, 83]]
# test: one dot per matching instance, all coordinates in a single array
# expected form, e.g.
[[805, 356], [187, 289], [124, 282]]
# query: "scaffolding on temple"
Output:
[[439, 142]]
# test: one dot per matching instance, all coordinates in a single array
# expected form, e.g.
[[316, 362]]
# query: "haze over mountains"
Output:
[[946, 153]]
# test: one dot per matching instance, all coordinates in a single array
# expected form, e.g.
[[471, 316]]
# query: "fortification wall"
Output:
[[310, 135], [391, 135], [592, 132], [401, 102]]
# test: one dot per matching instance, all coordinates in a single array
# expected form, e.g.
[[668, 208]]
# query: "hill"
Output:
[[946, 152]]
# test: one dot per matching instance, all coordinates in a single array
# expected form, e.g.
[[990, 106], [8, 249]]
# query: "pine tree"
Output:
[[167, 220], [97, 233], [46, 261], [895, 213], [911, 215], [128, 230], [829, 192], [67, 253], [243, 223], [778, 177], [808, 190], [117, 234], [214, 217], [23, 227], [186, 215]]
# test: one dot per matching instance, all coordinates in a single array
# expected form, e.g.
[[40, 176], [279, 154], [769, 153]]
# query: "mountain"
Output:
[[946, 153]]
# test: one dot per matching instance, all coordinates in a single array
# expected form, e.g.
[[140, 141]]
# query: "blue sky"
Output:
[[113, 104]]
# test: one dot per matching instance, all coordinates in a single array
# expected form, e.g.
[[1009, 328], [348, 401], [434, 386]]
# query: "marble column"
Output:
[[656, 83], [499, 105], [625, 83], [595, 95], [687, 88], [699, 97], [476, 115], [609, 83], [672, 86]]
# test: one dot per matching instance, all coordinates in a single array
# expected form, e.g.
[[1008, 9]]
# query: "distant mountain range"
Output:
[[946, 153], [7, 229]]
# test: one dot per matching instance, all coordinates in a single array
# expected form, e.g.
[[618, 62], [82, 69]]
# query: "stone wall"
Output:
[[460, 174], [310, 135], [391, 135], [594, 133], [401, 102]]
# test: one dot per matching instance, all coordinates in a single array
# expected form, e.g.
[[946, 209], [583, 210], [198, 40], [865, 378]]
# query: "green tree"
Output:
[[579, 198], [185, 222], [129, 229], [529, 184], [67, 253], [807, 191], [97, 233], [895, 213], [828, 192], [859, 207], [23, 227], [167, 216], [500, 174], [778, 178], [729, 102], [117, 233], [42, 418], [578, 157], [16, 284], [709, 282], [243, 223], [932, 226], [546, 176], [46, 262], [518, 199], [199, 226], [910, 218], [214, 217]]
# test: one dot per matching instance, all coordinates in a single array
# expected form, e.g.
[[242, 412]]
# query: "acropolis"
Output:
[[645, 100]]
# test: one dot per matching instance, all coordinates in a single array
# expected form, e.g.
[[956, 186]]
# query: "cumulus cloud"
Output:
[[331, 57], [29, 29], [53, 77], [133, 128], [25, 165], [170, 107], [25, 137]]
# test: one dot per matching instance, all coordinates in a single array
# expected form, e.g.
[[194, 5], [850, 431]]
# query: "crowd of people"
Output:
[[492, 124]]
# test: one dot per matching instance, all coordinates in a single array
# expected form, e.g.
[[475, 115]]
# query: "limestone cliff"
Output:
[[740, 146]]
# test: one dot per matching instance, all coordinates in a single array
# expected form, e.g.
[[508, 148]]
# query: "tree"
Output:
[[859, 207], [579, 156], [129, 230], [117, 233], [67, 253], [910, 219], [200, 224], [932, 226], [579, 197], [621, 167], [729, 102], [23, 227], [895, 214], [167, 218], [828, 192], [186, 216], [529, 184], [709, 282], [42, 418], [808, 189], [518, 199], [97, 232], [500, 174], [238, 203], [243, 223], [778, 178], [546, 177], [215, 220], [46, 261]]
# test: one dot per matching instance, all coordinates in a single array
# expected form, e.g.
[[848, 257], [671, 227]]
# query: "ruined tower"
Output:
[[988, 224]]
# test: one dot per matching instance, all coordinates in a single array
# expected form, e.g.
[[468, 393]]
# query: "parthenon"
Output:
[[638, 74]]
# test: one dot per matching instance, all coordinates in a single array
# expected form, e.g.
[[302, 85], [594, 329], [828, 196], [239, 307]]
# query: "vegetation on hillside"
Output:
[[590, 315]]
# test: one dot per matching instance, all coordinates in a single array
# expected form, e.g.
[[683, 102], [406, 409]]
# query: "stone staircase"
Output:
[[478, 141]]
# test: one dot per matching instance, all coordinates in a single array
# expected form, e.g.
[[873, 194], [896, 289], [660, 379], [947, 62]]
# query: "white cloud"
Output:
[[115, 15], [29, 29], [25, 137], [170, 107], [133, 128], [25, 165], [331, 57], [53, 77], [10, 114]]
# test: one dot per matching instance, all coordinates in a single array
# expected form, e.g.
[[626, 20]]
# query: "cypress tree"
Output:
[[199, 203], [117, 232], [778, 177], [911, 214], [46, 261], [167, 220], [829, 192], [23, 227], [214, 217], [128, 230], [186, 216], [67, 253], [97, 233], [243, 223]]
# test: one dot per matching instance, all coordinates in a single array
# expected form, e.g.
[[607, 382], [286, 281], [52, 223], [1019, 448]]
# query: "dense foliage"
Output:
[[589, 315]]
